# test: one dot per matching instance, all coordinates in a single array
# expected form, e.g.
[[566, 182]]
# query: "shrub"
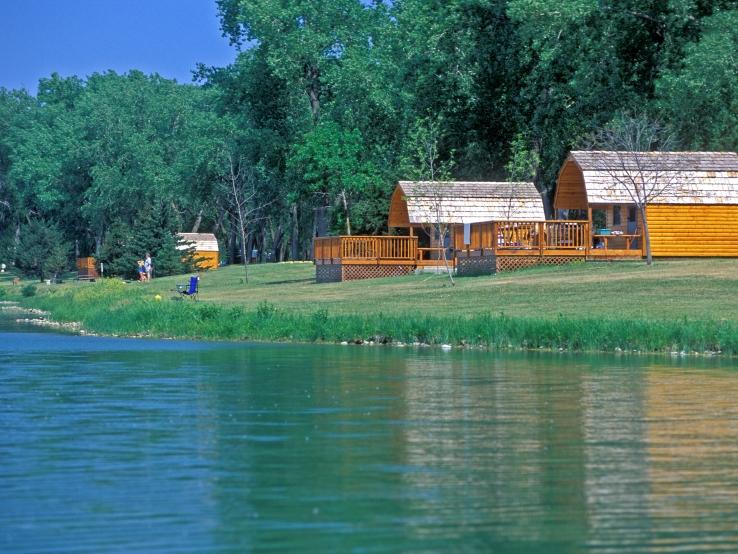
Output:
[[265, 310], [29, 290]]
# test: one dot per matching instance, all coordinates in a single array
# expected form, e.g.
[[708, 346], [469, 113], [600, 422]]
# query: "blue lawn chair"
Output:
[[190, 290]]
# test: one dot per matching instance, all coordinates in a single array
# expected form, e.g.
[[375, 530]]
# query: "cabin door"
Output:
[[632, 220]]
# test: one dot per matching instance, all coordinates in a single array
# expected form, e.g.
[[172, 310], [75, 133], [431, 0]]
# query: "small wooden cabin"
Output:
[[87, 269], [206, 249], [693, 214]]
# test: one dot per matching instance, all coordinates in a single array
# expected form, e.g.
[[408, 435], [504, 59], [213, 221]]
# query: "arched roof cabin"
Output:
[[691, 197]]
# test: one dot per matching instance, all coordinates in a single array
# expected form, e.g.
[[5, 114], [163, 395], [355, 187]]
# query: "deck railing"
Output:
[[553, 238], [543, 235], [366, 248], [566, 234], [506, 236]]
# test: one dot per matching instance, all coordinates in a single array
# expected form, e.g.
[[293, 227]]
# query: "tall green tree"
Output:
[[700, 95], [42, 250]]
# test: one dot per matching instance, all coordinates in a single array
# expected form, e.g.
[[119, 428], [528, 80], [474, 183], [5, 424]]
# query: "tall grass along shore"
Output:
[[676, 306]]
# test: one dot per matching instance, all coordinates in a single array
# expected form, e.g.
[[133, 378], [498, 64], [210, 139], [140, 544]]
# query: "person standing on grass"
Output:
[[141, 271], [148, 266]]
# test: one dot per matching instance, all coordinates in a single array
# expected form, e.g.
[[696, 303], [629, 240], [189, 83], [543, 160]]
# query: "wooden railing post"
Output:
[[541, 226]]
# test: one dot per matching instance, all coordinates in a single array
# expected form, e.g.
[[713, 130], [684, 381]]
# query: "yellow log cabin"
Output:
[[691, 200]]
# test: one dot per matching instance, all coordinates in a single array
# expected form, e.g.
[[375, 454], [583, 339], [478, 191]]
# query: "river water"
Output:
[[117, 445]]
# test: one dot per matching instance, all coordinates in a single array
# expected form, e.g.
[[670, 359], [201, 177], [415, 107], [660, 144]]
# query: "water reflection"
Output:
[[164, 446]]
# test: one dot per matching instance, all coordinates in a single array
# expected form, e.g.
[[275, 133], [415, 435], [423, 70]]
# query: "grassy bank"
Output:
[[673, 306]]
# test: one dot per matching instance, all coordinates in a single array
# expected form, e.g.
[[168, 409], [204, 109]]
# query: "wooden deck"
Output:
[[544, 239], [510, 238], [365, 250], [513, 244]]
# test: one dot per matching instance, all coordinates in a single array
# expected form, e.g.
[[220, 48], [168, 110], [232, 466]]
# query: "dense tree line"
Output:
[[322, 110]]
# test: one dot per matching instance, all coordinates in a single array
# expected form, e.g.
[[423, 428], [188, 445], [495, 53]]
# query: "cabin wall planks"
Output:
[[696, 230]]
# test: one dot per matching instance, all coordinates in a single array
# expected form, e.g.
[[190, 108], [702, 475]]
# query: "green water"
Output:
[[113, 445]]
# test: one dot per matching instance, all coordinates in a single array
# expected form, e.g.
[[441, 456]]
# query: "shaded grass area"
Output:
[[673, 306]]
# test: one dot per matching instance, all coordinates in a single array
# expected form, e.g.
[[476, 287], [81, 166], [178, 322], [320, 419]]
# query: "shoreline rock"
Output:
[[43, 322]]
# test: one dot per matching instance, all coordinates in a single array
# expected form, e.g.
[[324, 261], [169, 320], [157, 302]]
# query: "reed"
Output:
[[112, 307]]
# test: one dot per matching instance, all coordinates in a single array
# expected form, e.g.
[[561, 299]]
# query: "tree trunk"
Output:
[[449, 270], [244, 257], [98, 244], [548, 208], [232, 245], [294, 254], [277, 244], [312, 88], [346, 211], [198, 220], [646, 235]]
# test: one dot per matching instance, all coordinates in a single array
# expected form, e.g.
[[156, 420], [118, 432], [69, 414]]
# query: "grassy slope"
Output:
[[689, 305], [691, 289]]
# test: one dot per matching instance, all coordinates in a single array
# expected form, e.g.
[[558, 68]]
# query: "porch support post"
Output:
[[541, 226], [590, 226]]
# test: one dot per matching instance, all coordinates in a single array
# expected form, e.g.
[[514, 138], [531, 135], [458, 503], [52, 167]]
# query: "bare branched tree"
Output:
[[635, 154], [434, 173], [238, 188]]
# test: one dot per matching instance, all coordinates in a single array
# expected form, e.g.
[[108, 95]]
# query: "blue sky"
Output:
[[80, 37]]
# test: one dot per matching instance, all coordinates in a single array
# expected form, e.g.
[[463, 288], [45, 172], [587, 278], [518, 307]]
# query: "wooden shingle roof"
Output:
[[203, 242], [464, 202], [693, 177]]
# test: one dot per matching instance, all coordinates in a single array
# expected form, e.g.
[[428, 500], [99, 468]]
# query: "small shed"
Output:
[[87, 269], [693, 215], [206, 248]]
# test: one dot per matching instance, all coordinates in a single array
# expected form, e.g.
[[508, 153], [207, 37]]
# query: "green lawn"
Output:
[[672, 306], [702, 289]]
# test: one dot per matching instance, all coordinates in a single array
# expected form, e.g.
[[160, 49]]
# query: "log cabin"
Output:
[[467, 212], [691, 201]]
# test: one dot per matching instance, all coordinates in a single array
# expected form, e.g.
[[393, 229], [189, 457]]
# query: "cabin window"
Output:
[[616, 215], [599, 219], [467, 233], [576, 214]]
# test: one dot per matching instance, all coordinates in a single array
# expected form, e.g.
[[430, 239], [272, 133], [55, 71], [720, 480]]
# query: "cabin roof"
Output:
[[204, 242], [685, 177], [465, 202]]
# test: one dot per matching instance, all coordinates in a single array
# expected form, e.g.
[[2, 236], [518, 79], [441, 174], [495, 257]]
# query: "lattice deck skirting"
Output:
[[476, 265], [328, 273], [511, 263], [479, 265], [332, 273], [353, 272]]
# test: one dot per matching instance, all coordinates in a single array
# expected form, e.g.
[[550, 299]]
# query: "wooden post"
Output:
[[494, 237], [541, 225]]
